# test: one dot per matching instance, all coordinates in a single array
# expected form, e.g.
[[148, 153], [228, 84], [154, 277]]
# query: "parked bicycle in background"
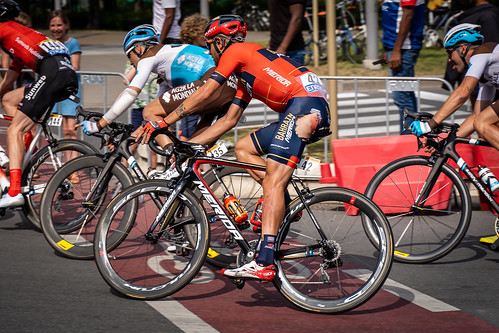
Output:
[[350, 37]]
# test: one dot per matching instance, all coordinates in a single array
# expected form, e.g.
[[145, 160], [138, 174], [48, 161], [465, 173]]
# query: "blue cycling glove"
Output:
[[419, 127], [89, 127]]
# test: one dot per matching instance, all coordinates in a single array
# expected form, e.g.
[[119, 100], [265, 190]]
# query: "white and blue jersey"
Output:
[[175, 65], [391, 15]]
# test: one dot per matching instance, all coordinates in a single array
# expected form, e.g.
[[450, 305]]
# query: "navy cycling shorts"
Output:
[[279, 139]]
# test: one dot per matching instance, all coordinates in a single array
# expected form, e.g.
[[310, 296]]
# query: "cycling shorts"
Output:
[[279, 139], [56, 81]]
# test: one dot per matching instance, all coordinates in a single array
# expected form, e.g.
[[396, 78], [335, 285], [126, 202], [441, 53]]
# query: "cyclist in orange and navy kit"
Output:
[[56, 81], [286, 87]]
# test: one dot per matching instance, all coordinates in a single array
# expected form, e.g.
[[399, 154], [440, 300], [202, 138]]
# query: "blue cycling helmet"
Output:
[[463, 33], [143, 33]]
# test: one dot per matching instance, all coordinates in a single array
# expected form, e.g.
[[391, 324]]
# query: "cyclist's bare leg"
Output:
[[274, 184], [467, 127], [10, 101], [21, 124], [487, 124], [246, 152]]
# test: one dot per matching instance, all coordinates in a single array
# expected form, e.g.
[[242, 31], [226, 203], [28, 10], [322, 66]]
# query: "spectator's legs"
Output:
[[405, 99]]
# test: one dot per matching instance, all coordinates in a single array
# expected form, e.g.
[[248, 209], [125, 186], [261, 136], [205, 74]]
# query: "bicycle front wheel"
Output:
[[330, 265], [429, 230], [151, 264], [39, 170], [69, 216]]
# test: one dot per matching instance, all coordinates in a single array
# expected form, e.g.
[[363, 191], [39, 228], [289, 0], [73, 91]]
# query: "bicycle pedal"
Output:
[[240, 283]]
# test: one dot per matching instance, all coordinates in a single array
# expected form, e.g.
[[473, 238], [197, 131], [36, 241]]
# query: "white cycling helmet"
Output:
[[463, 33], [143, 33]]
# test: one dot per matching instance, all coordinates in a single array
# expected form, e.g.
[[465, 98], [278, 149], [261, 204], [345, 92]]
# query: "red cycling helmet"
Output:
[[228, 25]]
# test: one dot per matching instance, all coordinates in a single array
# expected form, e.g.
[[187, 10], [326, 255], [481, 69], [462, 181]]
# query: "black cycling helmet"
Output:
[[9, 9]]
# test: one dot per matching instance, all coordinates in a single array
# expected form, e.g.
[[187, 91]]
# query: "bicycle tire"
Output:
[[223, 249], [342, 273], [37, 173], [417, 240], [68, 222], [356, 50], [148, 267]]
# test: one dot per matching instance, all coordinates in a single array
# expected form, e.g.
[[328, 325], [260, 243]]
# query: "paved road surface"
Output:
[[42, 292]]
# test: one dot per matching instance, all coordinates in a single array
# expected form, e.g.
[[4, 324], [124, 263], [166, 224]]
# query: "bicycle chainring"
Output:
[[244, 258]]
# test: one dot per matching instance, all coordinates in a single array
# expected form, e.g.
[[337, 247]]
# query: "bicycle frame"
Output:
[[112, 158], [193, 175], [450, 152]]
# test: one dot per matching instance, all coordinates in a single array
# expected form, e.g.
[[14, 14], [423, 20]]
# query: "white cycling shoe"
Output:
[[7, 201]]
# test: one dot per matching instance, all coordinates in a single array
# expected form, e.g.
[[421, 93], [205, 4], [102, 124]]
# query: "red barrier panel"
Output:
[[489, 157], [356, 161]]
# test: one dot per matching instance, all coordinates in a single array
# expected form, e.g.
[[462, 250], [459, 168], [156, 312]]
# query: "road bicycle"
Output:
[[439, 18], [70, 211], [325, 260], [309, 43], [426, 199], [40, 163], [350, 38], [256, 19]]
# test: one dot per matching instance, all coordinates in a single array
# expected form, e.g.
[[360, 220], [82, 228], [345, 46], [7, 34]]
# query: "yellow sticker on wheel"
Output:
[[64, 245], [401, 254], [212, 253]]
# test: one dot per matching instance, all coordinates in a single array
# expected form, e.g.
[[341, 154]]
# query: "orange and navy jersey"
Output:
[[27, 47], [267, 76]]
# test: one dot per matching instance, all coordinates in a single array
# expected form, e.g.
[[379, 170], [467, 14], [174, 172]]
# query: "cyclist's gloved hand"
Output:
[[154, 125], [419, 127], [89, 127]]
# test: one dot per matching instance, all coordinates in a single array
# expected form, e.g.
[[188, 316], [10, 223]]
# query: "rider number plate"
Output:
[[55, 120], [307, 163], [218, 150]]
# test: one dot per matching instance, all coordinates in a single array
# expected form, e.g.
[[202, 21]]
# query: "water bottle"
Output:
[[4, 159], [488, 178], [235, 209], [256, 218]]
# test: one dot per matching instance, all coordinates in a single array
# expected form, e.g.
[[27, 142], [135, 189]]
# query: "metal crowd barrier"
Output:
[[258, 114]]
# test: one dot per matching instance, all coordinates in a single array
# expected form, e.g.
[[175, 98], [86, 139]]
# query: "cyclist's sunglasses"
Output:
[[208, 43], [450, 50]]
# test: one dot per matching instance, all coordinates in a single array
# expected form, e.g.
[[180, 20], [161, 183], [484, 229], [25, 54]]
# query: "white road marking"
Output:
[[181, 316], [418, 298]]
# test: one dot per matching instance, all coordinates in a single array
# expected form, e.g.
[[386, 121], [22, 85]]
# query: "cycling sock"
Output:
[[266, 255], [15, 182]]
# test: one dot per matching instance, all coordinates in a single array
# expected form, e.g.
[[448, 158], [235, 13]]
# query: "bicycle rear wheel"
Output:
[[152, 264], [68, 219], [344, 270], [39, 170], [430, 230]]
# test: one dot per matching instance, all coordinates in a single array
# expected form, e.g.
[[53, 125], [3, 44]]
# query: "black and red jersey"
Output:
[[27, 47]]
